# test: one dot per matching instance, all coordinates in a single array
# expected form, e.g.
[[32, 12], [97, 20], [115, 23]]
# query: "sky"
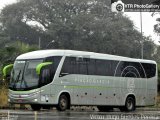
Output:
[[147, 20], [6, 2], [148, 23]]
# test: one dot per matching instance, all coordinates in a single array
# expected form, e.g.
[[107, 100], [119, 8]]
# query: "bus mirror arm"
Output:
[[63, 74]]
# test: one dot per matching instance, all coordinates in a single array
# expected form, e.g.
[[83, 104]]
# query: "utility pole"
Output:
[[142, 45], [39, 43]]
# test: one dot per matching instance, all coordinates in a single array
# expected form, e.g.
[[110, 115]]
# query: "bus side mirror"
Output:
[[7, 71], [40, 67]]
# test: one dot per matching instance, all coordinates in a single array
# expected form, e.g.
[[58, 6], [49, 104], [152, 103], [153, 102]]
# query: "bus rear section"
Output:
[[109, 83]]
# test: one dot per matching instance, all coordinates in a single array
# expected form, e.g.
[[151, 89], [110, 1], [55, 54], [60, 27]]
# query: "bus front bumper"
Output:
[[21, 98]]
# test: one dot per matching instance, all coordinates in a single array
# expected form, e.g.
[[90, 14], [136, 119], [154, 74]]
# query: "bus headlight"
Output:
[[35, 100]]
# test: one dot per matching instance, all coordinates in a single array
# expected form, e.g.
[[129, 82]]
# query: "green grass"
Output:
[[3, 97]]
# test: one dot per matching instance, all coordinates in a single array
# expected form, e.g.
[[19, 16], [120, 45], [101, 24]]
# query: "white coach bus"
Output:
[[65, 78]]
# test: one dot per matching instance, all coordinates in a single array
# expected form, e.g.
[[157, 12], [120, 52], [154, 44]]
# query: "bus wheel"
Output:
[[104, 108], [63, 103], [35, 107], [130, 104]]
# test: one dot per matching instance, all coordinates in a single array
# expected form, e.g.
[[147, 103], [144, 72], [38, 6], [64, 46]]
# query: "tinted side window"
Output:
[[87, 66], [91, 67], [82, 66], [111, 67], [55, 60], [100, 67], [46, 77], [150, 69], [49, 71], [130, 69], [73, 65], [66, 68]]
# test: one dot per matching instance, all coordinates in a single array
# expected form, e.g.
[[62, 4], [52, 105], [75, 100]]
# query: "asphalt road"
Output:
[[80, 114]]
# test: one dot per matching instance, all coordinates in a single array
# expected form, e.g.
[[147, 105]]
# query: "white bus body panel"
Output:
[[92, 89]]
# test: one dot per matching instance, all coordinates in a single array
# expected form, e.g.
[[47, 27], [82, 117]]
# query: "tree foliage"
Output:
[[73, 24], [12, 50], [158, 77]]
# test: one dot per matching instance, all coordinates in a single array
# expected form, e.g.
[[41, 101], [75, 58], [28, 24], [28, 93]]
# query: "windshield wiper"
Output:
[[17, 79], [23, 80]]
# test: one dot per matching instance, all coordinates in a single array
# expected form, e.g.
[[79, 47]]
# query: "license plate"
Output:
[[19, 100]]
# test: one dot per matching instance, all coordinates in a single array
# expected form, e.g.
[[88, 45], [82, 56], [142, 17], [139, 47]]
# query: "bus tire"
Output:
[[129, 104], [35, 107], [63, 103], [104, 108]]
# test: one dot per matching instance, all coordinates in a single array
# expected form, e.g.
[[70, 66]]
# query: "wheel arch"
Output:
[[67, 94], [131, 95]]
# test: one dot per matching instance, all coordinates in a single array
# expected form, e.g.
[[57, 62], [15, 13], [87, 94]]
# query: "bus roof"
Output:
[[47, 53]]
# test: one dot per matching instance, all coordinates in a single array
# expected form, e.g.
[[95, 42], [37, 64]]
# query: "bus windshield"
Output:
[[23, 75]]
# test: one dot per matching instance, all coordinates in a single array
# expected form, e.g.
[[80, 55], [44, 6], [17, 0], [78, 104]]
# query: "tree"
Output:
[[4, 37], [72, 24], [11, 51], [149, 48], [156, 26]]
